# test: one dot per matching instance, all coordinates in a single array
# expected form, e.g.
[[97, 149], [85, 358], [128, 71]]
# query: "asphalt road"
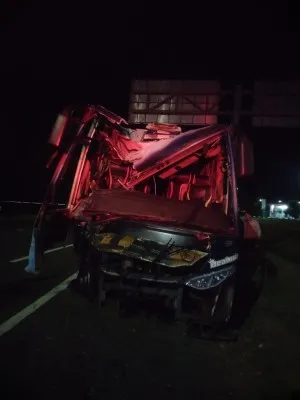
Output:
[[69, 349]]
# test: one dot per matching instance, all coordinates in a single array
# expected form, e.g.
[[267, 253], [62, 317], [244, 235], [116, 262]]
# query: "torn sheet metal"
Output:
[[162, 149], [147, 250]]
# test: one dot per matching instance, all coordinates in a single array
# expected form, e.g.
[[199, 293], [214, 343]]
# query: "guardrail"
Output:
[[28, 202], [16, 207]]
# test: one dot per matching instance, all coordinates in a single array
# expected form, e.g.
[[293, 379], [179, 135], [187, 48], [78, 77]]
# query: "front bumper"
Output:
[[198, 282], [189, 295], [125, 276]]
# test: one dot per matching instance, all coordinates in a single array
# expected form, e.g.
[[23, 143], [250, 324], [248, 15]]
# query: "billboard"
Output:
[[276, 104], [174, 101], [205, 102]]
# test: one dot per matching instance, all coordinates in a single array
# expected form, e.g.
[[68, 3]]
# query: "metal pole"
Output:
[[237, 105]]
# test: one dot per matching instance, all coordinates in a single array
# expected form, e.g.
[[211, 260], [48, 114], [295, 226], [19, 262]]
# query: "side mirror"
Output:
[[59, 128], [244, 157]]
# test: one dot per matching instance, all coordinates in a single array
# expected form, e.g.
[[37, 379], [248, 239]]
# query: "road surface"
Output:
[[67, 349]]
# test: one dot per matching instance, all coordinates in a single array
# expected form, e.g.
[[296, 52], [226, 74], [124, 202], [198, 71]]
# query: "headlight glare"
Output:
[[211, 279]]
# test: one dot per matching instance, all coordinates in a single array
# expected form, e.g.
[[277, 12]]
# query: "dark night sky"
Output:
[[58, 53]]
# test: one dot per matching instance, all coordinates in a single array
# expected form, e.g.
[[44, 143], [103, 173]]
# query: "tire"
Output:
[[247, 293], [218, 328], [256, 283], [223, 308], [258, 278]]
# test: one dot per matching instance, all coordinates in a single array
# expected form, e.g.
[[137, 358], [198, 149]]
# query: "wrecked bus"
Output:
[[152, 212]]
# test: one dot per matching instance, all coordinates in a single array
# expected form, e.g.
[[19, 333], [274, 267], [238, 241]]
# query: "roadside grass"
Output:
[[282, 237]]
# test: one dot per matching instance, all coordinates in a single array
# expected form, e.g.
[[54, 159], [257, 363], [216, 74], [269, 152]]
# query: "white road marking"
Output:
[[46, 252], [17, 318]]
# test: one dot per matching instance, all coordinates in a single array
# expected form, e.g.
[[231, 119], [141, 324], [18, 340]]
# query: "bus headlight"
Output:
[[211, 279]]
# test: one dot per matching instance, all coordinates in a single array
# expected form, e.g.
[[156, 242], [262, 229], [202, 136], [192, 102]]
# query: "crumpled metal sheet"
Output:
[[147, 250], [165, 148], [133, 203]]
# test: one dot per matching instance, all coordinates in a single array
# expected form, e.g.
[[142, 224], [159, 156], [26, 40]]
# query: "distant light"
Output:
[[298, 202], [260, 200], [283, 207], [279, 201]]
